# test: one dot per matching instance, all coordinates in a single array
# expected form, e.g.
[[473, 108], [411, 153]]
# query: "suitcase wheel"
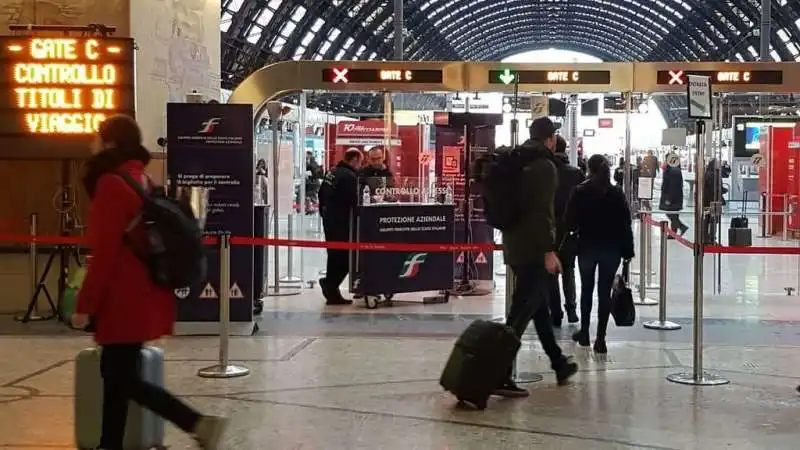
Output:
[[371, 301]]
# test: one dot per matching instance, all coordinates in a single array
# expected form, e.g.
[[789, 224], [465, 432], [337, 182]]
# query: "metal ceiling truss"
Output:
[[446, 30]]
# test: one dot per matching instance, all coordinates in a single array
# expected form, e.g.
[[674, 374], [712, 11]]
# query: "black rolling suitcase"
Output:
[[480, 361], [739, 233]]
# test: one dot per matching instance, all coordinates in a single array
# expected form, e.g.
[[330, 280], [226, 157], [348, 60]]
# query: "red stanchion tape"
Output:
[[680, 239], [752, 250], [365, 246], [213, 240], [648, 220]]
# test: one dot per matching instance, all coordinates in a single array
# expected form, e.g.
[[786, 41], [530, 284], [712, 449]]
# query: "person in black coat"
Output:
[[568, 178], [712, 193], [598, 213], [338, 207], [672, 197]]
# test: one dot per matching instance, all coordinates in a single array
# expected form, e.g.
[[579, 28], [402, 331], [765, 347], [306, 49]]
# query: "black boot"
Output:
[[565, 369], [572, 316], [332, 295], [581, 337]]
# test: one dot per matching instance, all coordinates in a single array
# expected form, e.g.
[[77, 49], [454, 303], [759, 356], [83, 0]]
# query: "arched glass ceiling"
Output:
[[257, 32]]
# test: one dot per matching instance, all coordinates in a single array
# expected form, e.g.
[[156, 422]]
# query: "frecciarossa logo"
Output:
[[365, 128]]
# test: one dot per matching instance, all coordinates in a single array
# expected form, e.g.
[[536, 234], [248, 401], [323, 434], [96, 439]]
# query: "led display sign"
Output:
[[343, 75], [550, 76], [678, 77], [64, 86]]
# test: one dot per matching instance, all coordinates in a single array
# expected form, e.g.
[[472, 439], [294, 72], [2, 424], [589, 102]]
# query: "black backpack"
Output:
[[497, 175], [326, 190], [175, 255]]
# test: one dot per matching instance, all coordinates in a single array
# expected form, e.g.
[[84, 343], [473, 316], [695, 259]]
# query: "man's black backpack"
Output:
[[497, 175], [175, 255]]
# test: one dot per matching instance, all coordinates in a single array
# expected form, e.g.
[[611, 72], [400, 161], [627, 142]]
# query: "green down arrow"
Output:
[[507, 77]]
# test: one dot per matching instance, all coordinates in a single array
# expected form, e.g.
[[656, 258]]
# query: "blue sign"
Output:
[[211, 146]]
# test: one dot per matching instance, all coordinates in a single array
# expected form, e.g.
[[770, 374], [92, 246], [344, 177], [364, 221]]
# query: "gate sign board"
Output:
[[698, 90], [64, 86]]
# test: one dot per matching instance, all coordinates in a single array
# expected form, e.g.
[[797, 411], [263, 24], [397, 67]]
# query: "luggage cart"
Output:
[[379, 275]]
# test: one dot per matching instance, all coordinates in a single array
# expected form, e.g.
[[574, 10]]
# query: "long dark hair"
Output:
[[599, 171], [121, 139]]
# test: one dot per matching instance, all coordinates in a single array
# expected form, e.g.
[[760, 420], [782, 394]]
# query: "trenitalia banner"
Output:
[[365, 133], [451, 169], [211, 146]]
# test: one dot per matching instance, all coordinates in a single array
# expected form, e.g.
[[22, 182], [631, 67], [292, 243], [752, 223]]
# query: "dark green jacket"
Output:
[[535, 232]]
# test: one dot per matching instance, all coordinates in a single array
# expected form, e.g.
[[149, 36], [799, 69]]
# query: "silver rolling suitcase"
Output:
[[144, 429]]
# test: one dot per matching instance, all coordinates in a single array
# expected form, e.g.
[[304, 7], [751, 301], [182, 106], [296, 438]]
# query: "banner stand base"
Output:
[[212, 328], [705, 379]]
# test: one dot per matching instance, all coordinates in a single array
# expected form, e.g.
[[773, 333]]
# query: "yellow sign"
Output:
[[68, 85]]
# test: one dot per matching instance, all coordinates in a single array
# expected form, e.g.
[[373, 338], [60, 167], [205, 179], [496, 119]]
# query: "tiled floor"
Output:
[[351, 378]]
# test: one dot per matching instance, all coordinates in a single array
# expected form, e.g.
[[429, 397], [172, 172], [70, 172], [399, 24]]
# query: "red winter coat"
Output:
[[124, 303]]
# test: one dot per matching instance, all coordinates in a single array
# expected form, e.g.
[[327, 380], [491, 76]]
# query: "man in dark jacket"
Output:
[[338, 203], [568, 177], [672, 198], [375, 174], [530, 250]]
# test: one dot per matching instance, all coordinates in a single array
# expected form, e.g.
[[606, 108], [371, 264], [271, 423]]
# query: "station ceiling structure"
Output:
[[259, 32]]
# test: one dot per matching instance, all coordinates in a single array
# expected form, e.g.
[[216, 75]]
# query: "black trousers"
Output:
[[530, 301], [567, 277], [605, 263], [675, 222], [120, 366], [338, 264]]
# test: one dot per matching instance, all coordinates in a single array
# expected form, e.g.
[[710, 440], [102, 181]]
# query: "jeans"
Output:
[[530, 301], [120, 366], [605, 262], [568, 284]]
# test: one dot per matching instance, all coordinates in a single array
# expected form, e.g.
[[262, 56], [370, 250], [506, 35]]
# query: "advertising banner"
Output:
[[211, 146], [396, 272], [450, 169]]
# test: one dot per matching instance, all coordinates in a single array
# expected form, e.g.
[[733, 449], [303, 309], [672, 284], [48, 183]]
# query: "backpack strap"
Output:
[[140, 191]]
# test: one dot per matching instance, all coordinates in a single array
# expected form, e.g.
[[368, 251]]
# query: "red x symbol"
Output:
[[340, 75], [675, 77]]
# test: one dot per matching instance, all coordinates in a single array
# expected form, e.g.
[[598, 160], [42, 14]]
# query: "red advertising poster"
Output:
[[605, 123]]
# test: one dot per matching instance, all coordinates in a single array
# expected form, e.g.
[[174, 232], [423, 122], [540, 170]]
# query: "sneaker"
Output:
[[209, 430], [572, 317], [600, 347], [565, 371], [511, 390], [581, 337]]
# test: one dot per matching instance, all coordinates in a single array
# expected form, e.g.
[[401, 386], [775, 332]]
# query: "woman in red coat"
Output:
[[123, 304]]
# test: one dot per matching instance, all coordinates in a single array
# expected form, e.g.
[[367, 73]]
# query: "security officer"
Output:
[[338, 199]]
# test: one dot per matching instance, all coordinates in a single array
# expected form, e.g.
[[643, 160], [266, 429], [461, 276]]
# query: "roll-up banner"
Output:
[[211, 146]]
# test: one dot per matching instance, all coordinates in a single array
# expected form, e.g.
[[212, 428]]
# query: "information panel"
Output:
[[678, 77], [550, 76], [64, 86], [400, 75]]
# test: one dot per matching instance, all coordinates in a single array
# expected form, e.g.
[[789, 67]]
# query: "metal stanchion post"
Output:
[[33, 315], [785, 236], [290, 279], [224, 369], [644, 230], [662, 323], [650, 271], [698, 377]]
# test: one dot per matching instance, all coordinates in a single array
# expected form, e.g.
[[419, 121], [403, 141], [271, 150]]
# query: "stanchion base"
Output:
[[323, 272], [528, 377], [659, 325], [291, 280], [637, 272], [652, 287], [282, 293], [644, 302], [705, 379], [500, 272], [35, 317], [220, 371]]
